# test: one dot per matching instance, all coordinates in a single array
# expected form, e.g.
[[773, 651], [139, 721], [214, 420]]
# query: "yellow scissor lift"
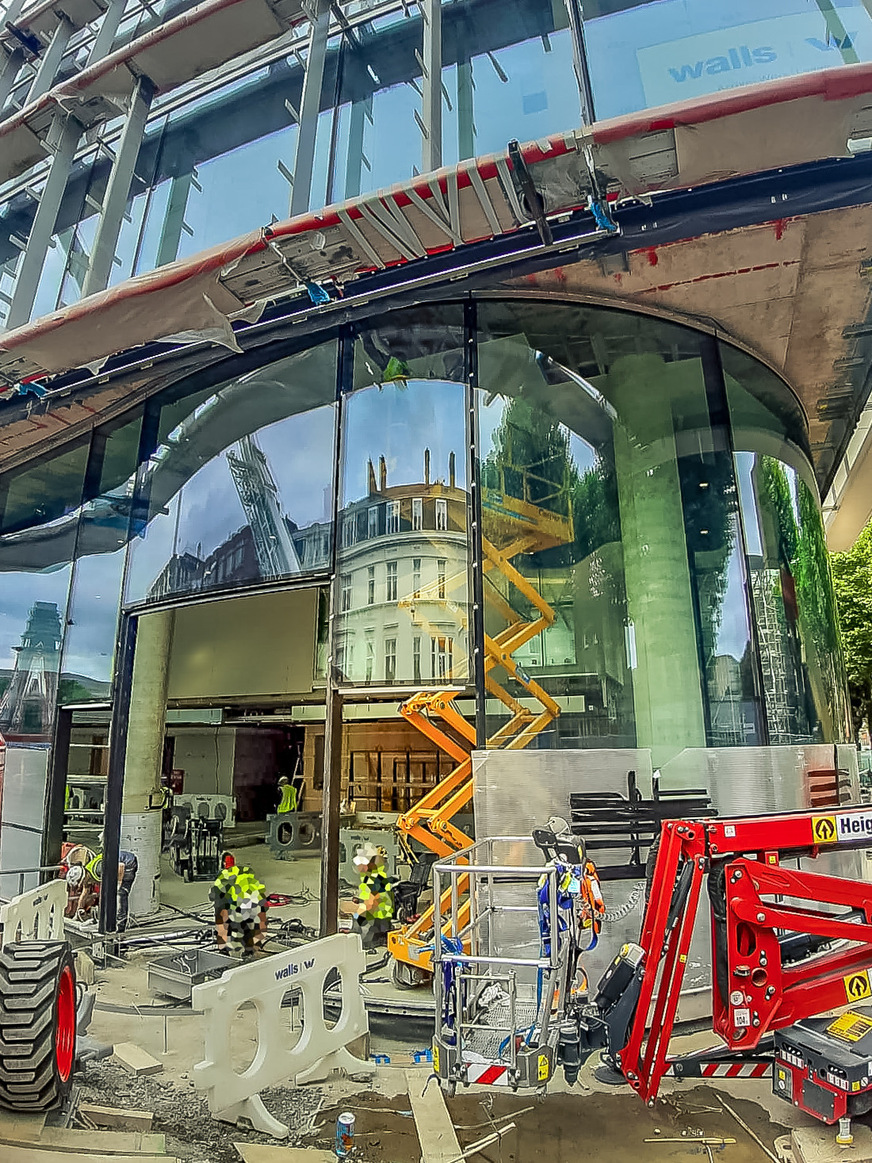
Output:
[[515, 526]]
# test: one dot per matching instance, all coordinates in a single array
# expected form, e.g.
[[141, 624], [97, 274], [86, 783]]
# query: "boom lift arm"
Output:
[[779, 959]]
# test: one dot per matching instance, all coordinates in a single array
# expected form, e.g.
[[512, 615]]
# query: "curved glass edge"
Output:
[[655, 568]]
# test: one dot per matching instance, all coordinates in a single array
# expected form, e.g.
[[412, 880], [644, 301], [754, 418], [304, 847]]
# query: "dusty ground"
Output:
[[588, 1122]]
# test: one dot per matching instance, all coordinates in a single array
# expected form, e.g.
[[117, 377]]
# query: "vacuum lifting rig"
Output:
[[779, 958], [538, 518]]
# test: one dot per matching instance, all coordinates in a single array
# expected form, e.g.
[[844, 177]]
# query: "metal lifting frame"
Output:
[[529, 528], [754, 992]]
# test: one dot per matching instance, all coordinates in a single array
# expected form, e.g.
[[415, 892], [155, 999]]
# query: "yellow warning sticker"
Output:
[[850, 1027], [857, 986], [435, 1058], [823, 829], [543, 1069]]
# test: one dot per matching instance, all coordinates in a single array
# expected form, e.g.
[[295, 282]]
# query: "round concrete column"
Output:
[[140, 821], [667, 690]]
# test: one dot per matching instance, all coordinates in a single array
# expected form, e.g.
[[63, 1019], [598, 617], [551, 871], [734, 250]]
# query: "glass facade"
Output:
[[505, 75], [646, 54], [653, 573]]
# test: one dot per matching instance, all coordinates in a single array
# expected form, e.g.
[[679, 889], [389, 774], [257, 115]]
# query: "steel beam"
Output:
[[431, 105], [63, 138], [9, 73], [310, 107], [174, 219], [118, 188], [109, 25], [50, 60]]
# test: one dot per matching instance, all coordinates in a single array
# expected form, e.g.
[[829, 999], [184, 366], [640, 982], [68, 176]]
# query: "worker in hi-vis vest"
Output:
[[375, 897], [288, 802]]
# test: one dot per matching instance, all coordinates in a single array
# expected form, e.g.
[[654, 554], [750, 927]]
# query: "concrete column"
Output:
[[667, 688], [140, 810]]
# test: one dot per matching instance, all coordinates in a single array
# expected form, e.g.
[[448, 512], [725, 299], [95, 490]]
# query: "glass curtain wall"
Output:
[[39, 506], [614, 585], [789, 574], [223, 162], [402, 562], [239, 489], [642, 53]]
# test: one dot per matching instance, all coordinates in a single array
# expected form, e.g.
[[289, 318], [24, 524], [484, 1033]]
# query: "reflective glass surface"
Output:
[[789, 575], [402, 523], [239, 489], [95, 591], [614, 595], [647, 54]]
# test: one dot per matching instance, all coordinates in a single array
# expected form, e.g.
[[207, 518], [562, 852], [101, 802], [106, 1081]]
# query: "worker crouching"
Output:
[[240, 909], [375, 898]]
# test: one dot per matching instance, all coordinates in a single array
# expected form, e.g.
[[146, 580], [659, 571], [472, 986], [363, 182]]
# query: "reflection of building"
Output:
[[269, 547], [27, 705], [403, 564], [782, 683]]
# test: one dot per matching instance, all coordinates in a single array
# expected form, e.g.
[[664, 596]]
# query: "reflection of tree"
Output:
[[852, 577], [805, 583]]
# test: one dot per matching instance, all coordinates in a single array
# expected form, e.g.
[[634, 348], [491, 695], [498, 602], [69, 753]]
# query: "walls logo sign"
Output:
[[736, 58], [292, 969]]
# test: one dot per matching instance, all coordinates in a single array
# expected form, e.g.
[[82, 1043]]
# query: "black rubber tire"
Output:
[[31, 974]]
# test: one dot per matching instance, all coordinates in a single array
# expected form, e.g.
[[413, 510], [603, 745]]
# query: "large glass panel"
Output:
[[614, 598], [34, 580], [239, 489], [402, 557], [508, 73], [642, 54], [95, 592], [789, 573]]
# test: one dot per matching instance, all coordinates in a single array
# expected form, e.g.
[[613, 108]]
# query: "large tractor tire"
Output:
[[37, 1024]]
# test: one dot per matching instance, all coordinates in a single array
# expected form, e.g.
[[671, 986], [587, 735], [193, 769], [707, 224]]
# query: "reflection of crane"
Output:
[[528, 513], [27, 704], [259, 496]]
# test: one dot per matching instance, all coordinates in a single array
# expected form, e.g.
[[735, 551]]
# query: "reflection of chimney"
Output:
[[382, 474], [451, 470], [370, 475], [426, 466]]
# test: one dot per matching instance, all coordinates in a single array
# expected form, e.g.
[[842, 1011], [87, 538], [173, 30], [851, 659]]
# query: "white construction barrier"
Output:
[[37, 915], [320, 1048]]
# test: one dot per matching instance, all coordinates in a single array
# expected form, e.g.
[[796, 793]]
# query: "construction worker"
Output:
[[240, 908], [91, 876], [288, 802], [375, 897]]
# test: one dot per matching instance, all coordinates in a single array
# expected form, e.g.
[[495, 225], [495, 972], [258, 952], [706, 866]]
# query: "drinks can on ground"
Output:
[[344, 1135]]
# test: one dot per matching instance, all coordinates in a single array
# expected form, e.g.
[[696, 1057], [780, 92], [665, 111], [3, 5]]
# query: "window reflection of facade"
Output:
[[659, 592]]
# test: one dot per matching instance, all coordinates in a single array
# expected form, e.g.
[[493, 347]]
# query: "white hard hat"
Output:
[[75, 875]]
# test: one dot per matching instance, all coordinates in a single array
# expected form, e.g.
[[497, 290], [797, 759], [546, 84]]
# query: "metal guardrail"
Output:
[[21, 873]]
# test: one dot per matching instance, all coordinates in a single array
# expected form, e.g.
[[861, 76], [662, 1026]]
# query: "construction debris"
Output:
[[435, 1129], [115, 1118], [136, 1060]]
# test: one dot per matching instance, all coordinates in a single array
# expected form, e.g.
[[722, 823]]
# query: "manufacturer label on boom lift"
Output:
[[846, 826]]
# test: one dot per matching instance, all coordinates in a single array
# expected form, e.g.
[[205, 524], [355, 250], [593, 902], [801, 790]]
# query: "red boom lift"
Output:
[[787, 945]]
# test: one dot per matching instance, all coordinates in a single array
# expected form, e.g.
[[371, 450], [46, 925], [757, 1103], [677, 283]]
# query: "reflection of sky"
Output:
[[299, 451], [398, 421], [20, 591], [90, 637], [733, 632]]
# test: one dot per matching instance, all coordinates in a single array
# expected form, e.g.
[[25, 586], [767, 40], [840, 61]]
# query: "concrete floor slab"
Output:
[[818, 1144]]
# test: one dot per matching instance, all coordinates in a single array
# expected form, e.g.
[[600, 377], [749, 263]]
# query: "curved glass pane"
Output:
[[791, 587], [403, 549], [641, 54], [614, 587], [240, 488]]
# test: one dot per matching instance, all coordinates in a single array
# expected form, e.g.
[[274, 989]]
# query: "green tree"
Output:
[[852, 576]]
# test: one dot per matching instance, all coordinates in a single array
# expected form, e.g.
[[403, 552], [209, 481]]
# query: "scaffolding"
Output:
[[527, 513]]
